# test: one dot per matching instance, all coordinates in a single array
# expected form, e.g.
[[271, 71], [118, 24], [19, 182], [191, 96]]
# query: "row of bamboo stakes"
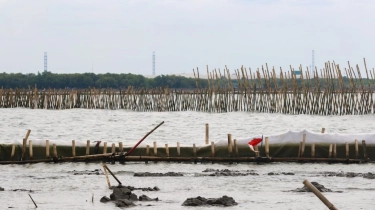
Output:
[[232, 147], [327, 93]]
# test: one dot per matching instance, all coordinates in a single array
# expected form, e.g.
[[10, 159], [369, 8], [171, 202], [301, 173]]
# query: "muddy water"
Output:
[[55, 186]]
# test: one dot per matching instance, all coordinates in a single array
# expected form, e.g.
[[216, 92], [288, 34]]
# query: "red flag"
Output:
[[254, 142]]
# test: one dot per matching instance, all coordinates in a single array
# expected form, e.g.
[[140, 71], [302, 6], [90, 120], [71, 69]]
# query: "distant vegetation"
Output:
[[108, 80], [117, 81]]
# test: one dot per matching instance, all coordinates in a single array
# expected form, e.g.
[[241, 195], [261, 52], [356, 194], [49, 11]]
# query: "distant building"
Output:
[[297, 72]]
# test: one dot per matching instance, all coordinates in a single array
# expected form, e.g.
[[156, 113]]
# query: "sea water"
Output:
[[54, 186]]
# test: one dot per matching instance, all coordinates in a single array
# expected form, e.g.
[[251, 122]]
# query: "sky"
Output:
[[119, 36]]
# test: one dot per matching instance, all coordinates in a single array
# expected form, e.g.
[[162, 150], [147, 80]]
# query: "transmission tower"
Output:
[[45, 61], [153, 63], [313, 63]]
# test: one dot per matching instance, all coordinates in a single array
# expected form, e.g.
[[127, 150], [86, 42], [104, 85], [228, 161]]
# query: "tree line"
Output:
[[109, 80], [86, 80]]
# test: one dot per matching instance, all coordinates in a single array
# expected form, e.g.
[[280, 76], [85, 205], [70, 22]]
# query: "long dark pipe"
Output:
[[135, 146]]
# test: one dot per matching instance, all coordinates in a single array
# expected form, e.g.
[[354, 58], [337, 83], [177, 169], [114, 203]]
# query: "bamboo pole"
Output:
[[334, 151], [155, 149], [120, 147], [235, 147], [303, 144], [318, 194], [330, 151], [166, 150], [33, 201], [47, 149], [105, 148], [13, 151], [347, 150], [207, 133], [356, 148], [54, 150], [178, 149], [24, 144], [113, 148], [112, 174], [88, 147], [364, 150], [313, 150], [148, 150], [106, 175], [230, 144], [267, 148], [74, 148], [31, 149], [194, 151]]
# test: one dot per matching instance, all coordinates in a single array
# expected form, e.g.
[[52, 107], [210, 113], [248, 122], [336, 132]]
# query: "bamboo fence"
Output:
[[313, 92]]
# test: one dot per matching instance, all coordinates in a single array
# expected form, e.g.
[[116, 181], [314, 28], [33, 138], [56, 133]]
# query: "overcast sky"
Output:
[[119, 36]]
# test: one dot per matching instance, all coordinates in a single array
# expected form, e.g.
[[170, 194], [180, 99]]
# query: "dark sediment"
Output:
[[105, 199], [368, 175], [201, 201], [147, 174], [88, 172], [124, 203], [146, 198], [1, 189], [233, 174], [124, 197], [320, 187], [217, 170]]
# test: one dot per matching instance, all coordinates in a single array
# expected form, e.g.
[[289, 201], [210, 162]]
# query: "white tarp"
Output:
[[311, 137], [283, 138]]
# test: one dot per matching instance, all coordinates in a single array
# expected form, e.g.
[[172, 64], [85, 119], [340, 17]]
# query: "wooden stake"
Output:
[[54, 150], [24, 144], [235, 147], [112, 174], [230, 144], [113, 148], [120, 146], [318, 194], [323, 130], [212, 149], [347, 149], [356, 149], [194, 151], [334, 151], [312, 150], [178, 149], [106, 175], [47, 149], [267, 148], [256, 151], [31, 149], [330, 151], [105, 148], [147, 150], [13, 151], [88, 147], [155, 149], [303, 144], [73, 148], [33, 201], [166, 150], [207, 134], [364, 150]]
